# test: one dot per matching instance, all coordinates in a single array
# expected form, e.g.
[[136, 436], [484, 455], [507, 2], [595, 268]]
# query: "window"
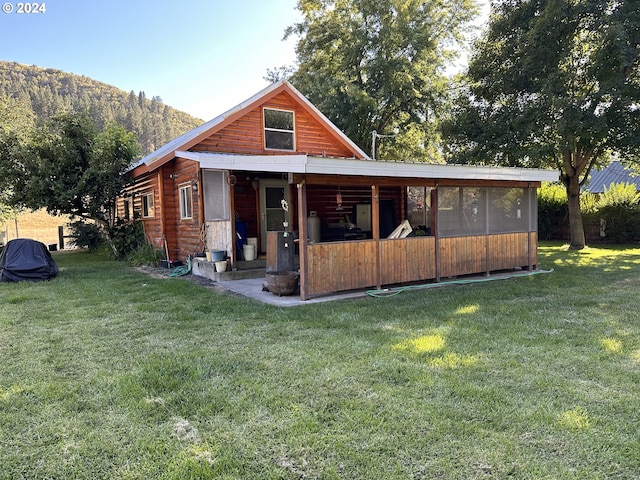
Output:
[[279, 133], [216, 195], [186, 202], [147, 205]]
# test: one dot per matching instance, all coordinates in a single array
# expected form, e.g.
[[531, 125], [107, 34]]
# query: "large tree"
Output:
[[379, 65], [553, 83], [67, 167]]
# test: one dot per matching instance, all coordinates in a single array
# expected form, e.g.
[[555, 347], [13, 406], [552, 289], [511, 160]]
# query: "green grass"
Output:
[[107, 372]]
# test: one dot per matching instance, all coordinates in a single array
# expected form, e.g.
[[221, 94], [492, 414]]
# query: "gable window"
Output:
[[279, 132], [186, 202], [147, 205]]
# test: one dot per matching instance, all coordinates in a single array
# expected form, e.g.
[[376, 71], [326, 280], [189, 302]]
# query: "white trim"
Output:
[[266, 129], [188, 196], [337, 166]]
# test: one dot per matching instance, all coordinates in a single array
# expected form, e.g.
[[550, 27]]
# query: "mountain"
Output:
[[46, 91]]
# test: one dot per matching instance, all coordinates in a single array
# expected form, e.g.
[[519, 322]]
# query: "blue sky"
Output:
[[200, 56]]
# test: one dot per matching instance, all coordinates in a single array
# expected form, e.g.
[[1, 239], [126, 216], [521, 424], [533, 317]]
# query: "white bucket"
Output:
[[221, 266], [252, 241], [249, 252]]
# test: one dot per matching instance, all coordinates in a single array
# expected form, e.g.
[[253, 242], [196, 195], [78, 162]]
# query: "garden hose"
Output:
[[390, 292], [182, 269]]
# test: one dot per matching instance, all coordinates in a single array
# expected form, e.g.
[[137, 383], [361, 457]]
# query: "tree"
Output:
[[67, 167], [16, 122], [379, 65], [553, 83]]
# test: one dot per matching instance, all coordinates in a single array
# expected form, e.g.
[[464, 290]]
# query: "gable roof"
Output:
[[195, 136], [614, 172]]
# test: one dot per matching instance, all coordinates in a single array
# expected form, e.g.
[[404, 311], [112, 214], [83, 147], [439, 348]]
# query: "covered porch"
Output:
[[363, 224]]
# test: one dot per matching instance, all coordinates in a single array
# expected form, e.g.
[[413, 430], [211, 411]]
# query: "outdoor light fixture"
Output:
[[339, 199]]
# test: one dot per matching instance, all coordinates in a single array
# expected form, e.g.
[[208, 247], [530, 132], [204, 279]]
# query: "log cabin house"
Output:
[[276, 160]]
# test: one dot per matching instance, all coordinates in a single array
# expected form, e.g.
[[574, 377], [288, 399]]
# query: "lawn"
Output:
[[107, 372]]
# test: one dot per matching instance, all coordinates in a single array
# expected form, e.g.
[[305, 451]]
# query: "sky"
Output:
[[199, 56]]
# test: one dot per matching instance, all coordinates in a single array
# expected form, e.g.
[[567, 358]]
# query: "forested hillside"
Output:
[[48, 91]]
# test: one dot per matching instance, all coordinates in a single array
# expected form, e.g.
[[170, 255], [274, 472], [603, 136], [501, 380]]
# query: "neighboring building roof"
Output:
[[193, 137], [614, 172], [306, 164]]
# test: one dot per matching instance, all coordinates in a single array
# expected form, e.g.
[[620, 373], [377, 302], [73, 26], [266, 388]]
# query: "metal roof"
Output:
[[363, 167], [614, 172]]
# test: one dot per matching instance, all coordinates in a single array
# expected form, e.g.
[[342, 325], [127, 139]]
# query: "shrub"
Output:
[[146, 255], [126, 238], [620, 213], [552, 209], [86, 234]]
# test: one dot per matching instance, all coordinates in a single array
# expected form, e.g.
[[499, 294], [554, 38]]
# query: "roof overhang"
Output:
[[304, 164]]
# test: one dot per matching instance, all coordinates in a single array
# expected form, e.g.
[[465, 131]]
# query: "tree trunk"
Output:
[[576, 227]]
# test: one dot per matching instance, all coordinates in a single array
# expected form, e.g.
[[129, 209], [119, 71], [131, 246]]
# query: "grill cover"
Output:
[[24, 259]]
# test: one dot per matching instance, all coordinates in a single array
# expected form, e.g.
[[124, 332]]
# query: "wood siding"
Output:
[[508, 251], [341, 266], [462, 255], [407, 259], [245, 135]]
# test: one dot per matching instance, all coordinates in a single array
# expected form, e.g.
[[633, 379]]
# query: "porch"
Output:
[[363, 224]]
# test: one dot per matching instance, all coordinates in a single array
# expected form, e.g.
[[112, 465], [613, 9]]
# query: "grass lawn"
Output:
[[107, 372]]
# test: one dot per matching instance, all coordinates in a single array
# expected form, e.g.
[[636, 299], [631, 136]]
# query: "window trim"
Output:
[[148, 204], [185, 193], [265, 129]]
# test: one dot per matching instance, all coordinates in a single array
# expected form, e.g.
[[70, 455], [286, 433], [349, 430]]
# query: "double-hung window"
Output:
[[279, 130]]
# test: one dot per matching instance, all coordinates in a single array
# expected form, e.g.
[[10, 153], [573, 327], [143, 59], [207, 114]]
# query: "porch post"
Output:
[[375, 229], [487, 245], [232, 206], [533, 203], [302, 243], [434, 226]]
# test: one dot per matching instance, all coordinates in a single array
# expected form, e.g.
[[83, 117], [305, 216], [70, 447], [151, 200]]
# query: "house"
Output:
[[275, 163]]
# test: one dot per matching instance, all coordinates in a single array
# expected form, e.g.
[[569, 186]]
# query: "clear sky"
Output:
[[200, 56]]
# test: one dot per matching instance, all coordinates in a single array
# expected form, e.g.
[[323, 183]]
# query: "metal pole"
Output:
[[373, 144]]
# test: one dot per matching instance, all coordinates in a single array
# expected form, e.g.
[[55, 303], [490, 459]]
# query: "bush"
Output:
[[552, 209], [146, 255], [86, 235], [126, 238], [618, 208]]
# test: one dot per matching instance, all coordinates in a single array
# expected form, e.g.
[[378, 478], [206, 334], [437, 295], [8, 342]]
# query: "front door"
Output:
[[272, 213]]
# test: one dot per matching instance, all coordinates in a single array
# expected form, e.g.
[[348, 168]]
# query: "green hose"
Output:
[[181, 270], [390, 292]]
